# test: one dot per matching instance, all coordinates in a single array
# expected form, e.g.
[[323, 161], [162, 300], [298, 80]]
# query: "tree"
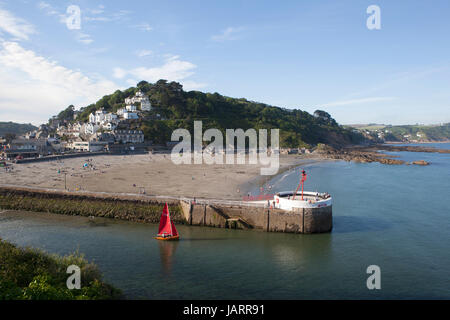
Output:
[[144, 86], [325, 116], [9, 137], [66, 114]]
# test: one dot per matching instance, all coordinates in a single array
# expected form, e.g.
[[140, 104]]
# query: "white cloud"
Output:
[[143, 53], [230, 33], [51, 11], [15, 26], [131, 82], [121, 15], [119, 73], [358, 101], [81, 37], [143, 27], [84, 38], [173, 69], [32, 88], [98, 10], [170, 57], [102, 19], [193, 85]]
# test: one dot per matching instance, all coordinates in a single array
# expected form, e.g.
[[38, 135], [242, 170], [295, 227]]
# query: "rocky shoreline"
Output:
[[367, 154]]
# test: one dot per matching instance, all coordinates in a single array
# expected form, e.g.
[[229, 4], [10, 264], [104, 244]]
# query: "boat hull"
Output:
[[171, 238]]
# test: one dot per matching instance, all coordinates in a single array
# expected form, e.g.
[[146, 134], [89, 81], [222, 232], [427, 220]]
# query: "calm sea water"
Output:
[[396, 217]]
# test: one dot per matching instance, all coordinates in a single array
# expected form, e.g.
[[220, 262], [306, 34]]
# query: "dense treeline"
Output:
[[173, 108], [15, 128], [31, 274]]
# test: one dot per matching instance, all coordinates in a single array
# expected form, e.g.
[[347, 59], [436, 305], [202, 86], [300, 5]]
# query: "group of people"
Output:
[[271, 205]]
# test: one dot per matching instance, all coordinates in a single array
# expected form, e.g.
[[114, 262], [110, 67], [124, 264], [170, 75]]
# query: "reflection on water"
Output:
[[167, 251]]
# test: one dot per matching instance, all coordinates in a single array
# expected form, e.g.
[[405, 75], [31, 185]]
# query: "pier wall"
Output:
[[131, 208], [307, 220], [142, 208]]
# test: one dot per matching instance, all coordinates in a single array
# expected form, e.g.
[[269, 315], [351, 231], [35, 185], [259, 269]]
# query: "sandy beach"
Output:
[[155, 174]]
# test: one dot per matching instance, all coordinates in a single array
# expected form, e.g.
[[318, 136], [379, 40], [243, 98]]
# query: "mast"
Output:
[[302, 181], [170, 222]]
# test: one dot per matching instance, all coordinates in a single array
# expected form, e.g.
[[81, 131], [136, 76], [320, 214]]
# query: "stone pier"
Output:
[[143, 208], [302, 220]]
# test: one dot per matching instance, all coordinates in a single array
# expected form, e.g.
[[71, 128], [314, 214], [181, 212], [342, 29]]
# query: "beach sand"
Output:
[[155, 174]]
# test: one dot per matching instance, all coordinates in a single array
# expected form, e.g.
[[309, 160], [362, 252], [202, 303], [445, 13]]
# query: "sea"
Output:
[[393, 217]]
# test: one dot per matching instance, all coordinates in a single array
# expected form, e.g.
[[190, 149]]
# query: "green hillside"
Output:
[[426, 133], [398, 133], [15, 128], [173, 108]]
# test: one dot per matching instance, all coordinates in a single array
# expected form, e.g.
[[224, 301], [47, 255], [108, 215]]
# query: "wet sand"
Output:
[[155, 174]]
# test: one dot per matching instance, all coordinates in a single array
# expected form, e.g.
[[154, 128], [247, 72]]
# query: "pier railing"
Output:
[[260, 204], [224, 202]]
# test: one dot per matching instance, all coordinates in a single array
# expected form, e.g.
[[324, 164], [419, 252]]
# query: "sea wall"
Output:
[[307, 220], [98, 205], [142, 208]]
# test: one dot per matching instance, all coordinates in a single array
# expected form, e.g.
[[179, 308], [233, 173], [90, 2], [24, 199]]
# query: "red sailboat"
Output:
[[167, 230]]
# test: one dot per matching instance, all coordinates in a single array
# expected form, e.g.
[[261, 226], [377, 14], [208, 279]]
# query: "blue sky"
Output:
[[294, 54]]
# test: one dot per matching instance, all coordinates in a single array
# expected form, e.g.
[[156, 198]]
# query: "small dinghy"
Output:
[[167, 230]]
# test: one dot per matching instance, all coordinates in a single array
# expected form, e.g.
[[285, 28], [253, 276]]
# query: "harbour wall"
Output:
[[144, 208], [301, 220]]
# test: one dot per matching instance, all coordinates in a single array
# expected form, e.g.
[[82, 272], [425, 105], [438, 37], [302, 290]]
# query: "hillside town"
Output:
[[103, 132]]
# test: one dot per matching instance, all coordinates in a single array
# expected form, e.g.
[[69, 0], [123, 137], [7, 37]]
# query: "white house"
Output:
[[145, 104], [128, 112], [97, 117], [131, 107], [109, 126], [141, 98], [91, 146], [110, 117], [130, 115], [121, 111], [91, 128], [126, 136], [101, 116]]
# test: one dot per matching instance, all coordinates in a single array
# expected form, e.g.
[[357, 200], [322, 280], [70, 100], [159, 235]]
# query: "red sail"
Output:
[[174, 230], [165, 225]]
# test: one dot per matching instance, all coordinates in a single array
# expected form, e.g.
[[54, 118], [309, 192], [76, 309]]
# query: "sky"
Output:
[[293, 54]]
